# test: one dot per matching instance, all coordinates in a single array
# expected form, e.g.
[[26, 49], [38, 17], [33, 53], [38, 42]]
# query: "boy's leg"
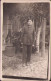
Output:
[[24, 54], [29, 51]]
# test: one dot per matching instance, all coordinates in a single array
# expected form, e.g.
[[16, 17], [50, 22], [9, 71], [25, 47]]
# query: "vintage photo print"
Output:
[[25, 40]]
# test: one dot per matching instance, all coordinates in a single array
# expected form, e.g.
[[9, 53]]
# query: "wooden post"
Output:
[[43, 36]]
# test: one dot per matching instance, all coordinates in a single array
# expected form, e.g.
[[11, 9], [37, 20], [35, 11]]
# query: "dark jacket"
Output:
[[28, 35]]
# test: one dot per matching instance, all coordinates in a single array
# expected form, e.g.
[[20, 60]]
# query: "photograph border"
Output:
[[22, 1]]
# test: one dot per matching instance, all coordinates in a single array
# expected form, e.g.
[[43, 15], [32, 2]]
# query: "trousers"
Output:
[[27, 50]]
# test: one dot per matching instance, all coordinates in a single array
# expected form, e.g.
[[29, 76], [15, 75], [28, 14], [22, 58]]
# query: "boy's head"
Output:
[[30, 22]]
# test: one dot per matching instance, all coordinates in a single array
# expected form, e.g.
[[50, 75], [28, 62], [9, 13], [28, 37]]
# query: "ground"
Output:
[[12, 64]]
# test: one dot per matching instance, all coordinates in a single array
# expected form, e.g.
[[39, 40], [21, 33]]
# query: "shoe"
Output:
[[28, 64], [24, 65]]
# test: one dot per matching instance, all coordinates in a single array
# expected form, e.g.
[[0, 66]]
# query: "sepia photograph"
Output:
[[25, 40]]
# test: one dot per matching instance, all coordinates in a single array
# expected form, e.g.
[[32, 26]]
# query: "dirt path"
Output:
[[12, 65]]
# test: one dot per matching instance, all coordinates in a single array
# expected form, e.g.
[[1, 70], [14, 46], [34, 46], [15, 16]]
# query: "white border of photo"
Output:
[[24, 1]]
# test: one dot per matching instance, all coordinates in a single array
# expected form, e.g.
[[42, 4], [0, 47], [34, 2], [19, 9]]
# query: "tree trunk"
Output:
[[43, 36], [38, 30], [38, 39]]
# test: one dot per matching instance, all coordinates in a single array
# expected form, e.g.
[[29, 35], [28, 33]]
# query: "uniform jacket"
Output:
[[28, 35]]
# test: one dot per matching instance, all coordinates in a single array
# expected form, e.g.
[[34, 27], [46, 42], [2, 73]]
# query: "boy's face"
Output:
[[29, 22]]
